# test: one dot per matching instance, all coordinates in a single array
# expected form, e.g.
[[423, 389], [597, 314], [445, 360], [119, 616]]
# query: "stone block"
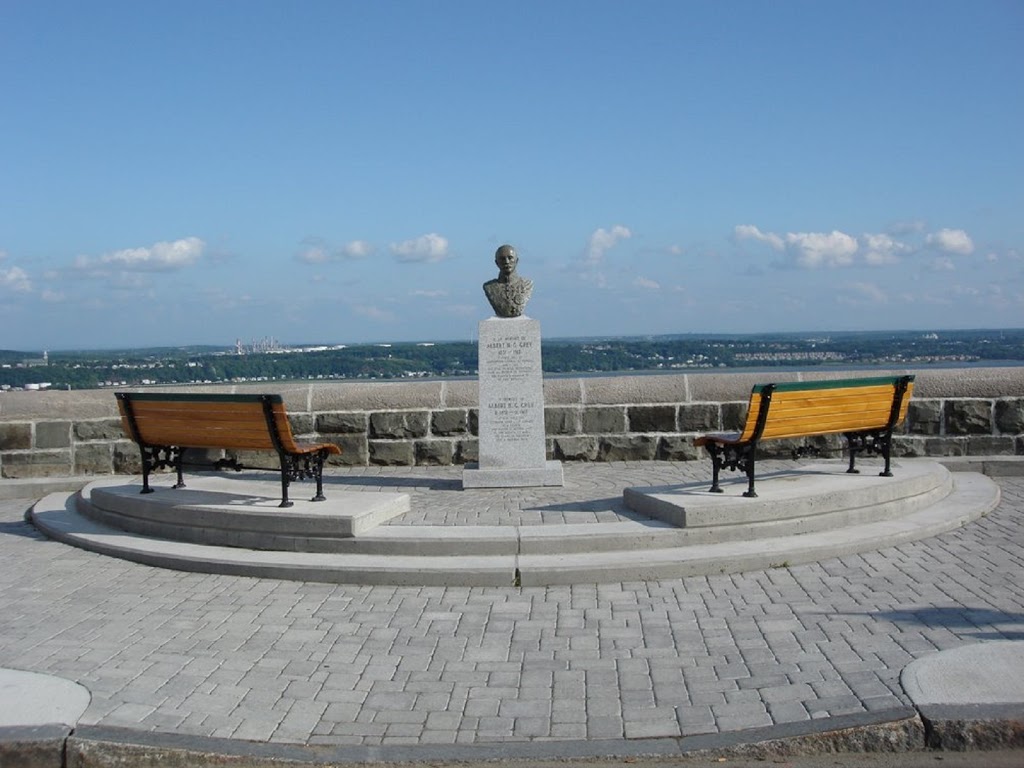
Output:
[[341, 423], [94, 459], [989, 445], [579, 448], [474, 421], [628, 448], [53, 434], [15, 437], [968, 417], [618, 390], [924, 417], [604, 420], [392, 453], [434, 453], [451, 421], [36, 464], [355, 451], [466, 451], [945, 446], [969, 382], [725, 387], [127, 458], [463, 393], [677, 448], [561, 421], [651, 418], [104, 429], [908, 447], [1010, 416], [701, 417], [63, 404], [301, 423], [563, 391], [734, 416], [377, 396], [399, 425]]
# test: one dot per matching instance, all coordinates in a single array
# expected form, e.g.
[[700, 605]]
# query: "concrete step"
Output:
[[526, 555], [215, 510], [972, 496], [816, 497]]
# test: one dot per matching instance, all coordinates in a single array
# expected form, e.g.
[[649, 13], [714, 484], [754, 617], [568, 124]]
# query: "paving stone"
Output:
[[210, 655]]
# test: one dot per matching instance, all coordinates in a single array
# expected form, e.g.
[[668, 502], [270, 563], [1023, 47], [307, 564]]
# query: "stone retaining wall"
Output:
[[954, 412]]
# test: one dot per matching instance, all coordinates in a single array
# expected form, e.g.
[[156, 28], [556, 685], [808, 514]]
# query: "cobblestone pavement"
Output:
[[282, 661]]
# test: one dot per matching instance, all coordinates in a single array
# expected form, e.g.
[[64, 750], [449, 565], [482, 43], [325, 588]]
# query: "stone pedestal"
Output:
[[512, 441]]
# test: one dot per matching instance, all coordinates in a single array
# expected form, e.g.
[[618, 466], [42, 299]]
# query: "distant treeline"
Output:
[[91, 369]]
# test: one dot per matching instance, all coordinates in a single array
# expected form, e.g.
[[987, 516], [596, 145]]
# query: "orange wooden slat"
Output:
[[197, 424], [803, 413]]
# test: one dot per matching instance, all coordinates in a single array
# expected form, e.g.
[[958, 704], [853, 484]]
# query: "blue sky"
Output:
[[338, 172]]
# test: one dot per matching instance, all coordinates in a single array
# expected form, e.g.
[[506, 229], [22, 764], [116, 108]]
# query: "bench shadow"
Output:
[[950, 617], [729, 479], [426, 483], [297, 487], [21, 528], [613, 504]]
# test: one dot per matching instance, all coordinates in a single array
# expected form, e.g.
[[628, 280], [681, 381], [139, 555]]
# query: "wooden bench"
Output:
[[165, 424], [864, 410]]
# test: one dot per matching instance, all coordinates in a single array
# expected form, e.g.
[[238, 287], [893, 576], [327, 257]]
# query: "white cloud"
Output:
[[317, 251], [429, 248], [52, 297], [314, 253], [602, 240], [942, 264], [816, 249], [436, 294], [159, 257], [882, 249], [750, 232], [954, 241], [646, 284], [15, 279]]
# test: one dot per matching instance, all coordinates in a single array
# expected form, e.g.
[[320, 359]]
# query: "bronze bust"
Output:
[[509, 291]]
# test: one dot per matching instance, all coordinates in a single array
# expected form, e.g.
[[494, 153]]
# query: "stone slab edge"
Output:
[[548, 476], [33, 746], [895, 730], [962, 727]]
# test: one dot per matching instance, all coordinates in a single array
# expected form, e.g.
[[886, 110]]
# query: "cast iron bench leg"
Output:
[[716, 465], [318, 472]]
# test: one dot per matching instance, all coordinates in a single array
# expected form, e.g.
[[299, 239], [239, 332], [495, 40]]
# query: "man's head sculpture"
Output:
[[509, 291]]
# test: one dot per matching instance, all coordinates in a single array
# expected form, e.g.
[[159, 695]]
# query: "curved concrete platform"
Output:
[[31, 698], [216, 510], [800, 516]]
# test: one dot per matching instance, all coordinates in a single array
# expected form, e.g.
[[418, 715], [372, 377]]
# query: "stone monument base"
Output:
[[513, 477]]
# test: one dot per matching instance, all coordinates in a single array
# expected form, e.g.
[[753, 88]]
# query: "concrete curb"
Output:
[[890, 731], [893, 731], [33, 746], [946, 729]]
